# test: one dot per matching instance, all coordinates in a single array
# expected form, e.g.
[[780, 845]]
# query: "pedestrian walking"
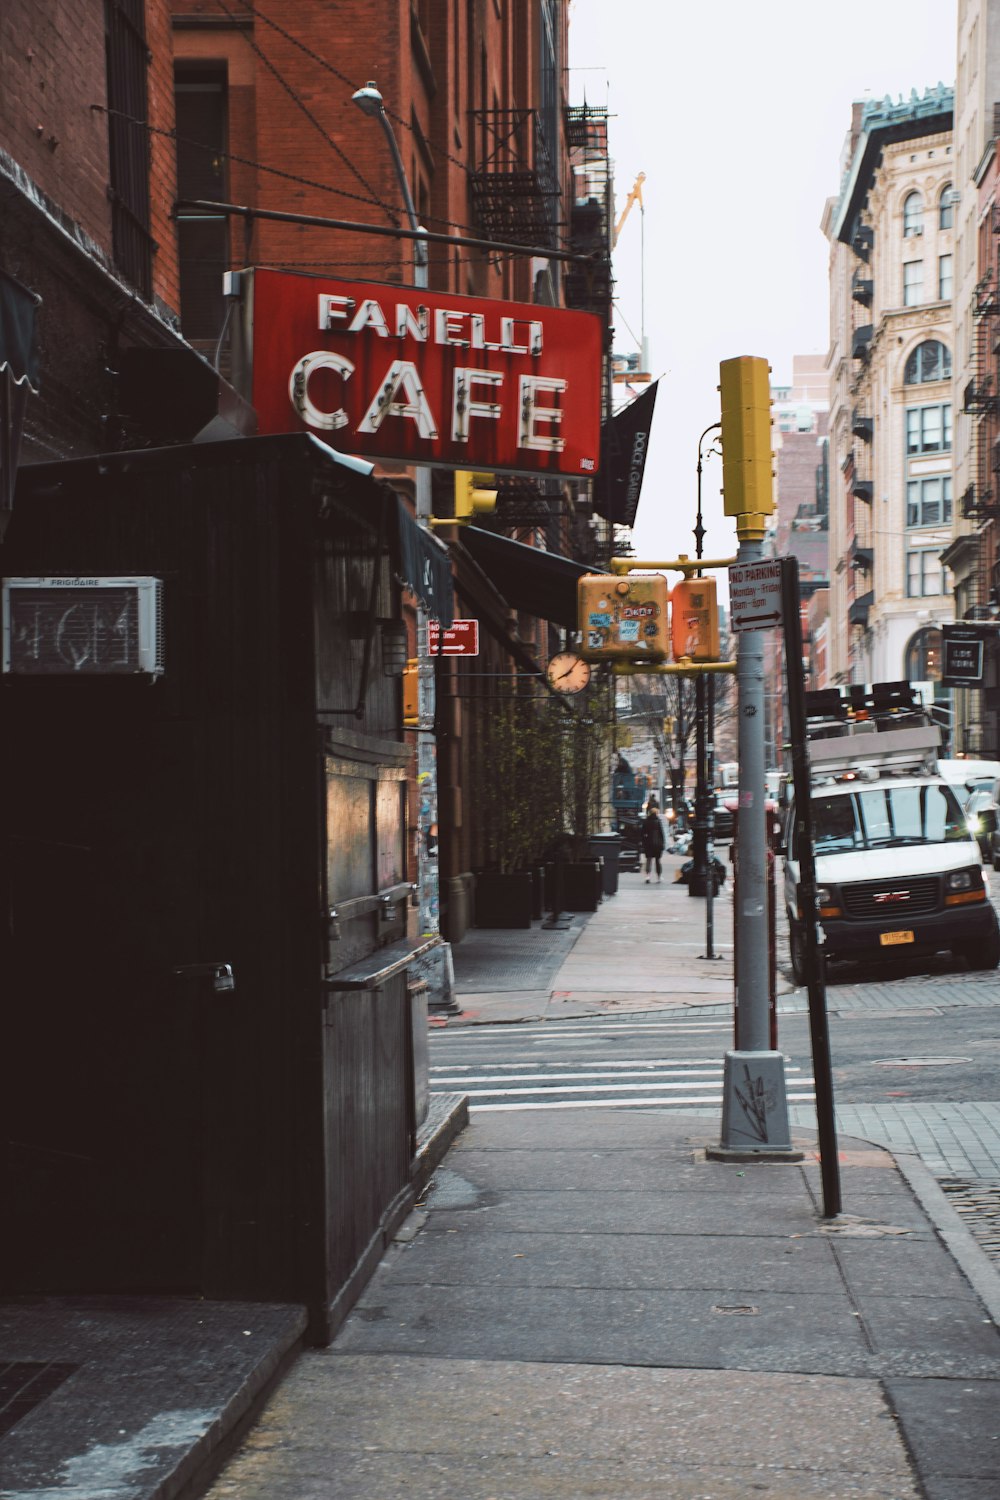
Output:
[[653, 841]]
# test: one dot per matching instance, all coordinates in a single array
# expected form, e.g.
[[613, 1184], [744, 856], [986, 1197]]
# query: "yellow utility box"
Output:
[[694, 619], [623, 618]]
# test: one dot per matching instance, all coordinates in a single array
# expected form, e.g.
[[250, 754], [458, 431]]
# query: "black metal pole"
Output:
[[710, 819], [816, 977], [701, 877]]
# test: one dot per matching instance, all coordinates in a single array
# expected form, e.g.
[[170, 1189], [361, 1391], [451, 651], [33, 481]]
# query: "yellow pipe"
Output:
[[682, 564], [683, 668]]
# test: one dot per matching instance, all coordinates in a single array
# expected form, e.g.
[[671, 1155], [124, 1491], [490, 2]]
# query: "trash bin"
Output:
[[607, 847]]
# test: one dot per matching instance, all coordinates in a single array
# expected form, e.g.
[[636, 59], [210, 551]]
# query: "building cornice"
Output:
[[883, 124]]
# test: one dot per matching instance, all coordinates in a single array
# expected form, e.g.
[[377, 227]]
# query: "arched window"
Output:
[[913, 215], [930, 360], [922, 662], [946, 207]]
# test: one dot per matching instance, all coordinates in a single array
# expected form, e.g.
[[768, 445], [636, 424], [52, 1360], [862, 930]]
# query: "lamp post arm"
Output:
[[419, 247]]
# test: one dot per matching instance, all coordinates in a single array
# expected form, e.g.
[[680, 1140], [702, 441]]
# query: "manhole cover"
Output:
[[920, 1062]]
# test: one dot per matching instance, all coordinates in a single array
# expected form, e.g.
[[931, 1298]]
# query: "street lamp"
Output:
[[369, 101], [702, 879], [438, 966]]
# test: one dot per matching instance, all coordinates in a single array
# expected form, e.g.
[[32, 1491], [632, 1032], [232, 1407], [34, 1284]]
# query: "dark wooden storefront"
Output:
[[161, 1131]]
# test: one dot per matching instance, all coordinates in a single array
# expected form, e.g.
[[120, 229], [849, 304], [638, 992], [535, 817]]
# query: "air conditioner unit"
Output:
[[952, 198], [913, 231], [83, 627]]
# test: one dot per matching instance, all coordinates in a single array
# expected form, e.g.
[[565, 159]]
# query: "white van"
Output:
[[897, 867]]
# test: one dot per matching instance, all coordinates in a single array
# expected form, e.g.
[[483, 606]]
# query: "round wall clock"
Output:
[[568, 673]]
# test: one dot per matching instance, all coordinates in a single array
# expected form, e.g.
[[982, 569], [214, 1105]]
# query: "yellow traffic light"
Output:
[[411, 709], [747, 478], [622, 618], [472, 496], [694, 620]]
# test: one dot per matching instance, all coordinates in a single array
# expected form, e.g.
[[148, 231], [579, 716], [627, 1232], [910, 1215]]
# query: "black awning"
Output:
[[425, 567], [540, 583]]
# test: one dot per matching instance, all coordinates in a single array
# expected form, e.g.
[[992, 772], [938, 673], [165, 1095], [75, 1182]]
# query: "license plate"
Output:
[[890, 939]]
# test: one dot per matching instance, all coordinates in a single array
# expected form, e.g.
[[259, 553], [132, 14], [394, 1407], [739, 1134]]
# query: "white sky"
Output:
[[736, 110]]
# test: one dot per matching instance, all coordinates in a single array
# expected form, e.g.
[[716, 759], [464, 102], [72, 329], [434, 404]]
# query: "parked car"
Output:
[[725, 817], [983, 816]]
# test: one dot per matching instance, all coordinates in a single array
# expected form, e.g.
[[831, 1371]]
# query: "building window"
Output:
[[930, 360], [946, 208], [924, 574], [922, 659], [913, 216], [913, 282], [128, 142], [928, 429], [200, 101], [928, 501], [944, 278]]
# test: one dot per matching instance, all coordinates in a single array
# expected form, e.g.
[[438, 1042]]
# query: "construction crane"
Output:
[[635, 369], [635, 196]]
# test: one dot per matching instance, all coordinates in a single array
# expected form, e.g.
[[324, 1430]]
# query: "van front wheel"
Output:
[[985, 954]]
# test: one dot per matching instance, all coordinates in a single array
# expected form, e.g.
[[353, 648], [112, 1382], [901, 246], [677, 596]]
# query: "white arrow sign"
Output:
[[755, 594]]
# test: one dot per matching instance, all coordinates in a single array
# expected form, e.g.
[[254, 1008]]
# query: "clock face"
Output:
[[568, 673]]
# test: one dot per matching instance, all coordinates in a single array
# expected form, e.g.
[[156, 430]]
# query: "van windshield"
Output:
[[885, 816]]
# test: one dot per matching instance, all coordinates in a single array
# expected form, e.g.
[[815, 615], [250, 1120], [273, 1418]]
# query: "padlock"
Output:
[[222, 980]]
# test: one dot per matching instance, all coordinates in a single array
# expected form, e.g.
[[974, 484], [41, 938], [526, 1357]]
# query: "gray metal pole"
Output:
[[436, 967], [754, 1106], [752, 979]]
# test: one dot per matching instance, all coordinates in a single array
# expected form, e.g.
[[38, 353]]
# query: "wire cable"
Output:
[[303, 106]]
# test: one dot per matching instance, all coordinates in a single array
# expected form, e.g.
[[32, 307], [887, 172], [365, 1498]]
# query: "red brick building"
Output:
[[88, 168]]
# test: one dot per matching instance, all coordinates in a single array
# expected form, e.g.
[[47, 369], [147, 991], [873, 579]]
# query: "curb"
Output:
[[958, 1240]]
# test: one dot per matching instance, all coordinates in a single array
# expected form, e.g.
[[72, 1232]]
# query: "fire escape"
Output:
[[858, 467], [978, 588], [980, 504], [515, 184]]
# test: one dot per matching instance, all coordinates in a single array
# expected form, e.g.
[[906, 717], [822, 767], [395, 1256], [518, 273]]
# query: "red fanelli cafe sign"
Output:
[[422, 376]]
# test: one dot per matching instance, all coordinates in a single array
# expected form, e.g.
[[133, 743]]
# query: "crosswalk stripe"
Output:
[[562, 1029], [653, 1075], [715, 1099], [645, 1063]]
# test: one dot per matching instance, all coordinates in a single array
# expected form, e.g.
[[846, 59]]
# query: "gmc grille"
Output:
[[921, 895]]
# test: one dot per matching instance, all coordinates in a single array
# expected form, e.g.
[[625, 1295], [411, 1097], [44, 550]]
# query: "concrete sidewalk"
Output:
[[582, 1307], [586, 1307], [644, 948]]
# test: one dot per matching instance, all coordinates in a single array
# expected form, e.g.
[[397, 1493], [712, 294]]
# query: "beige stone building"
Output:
[[891, 234]]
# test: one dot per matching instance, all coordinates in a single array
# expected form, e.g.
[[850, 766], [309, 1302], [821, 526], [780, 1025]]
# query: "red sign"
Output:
[[460, 639], [427, 377]]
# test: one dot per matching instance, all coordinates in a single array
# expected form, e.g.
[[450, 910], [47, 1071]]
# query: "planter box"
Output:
[[581, 885], [504, 900]]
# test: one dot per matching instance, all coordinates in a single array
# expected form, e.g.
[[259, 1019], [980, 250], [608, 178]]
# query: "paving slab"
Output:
[[595, 1260], [953, 1428], [502, 1430]]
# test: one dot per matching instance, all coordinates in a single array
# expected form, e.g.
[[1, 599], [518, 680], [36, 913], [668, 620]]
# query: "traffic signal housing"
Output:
[[694, 620], [411, 694], [472, 496], [747, 474], [622, 619]]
